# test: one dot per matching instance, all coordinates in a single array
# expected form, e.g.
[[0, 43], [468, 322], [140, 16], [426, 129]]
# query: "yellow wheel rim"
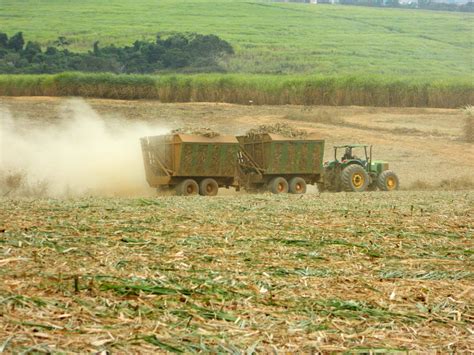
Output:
[[358, 180], [391, 183]]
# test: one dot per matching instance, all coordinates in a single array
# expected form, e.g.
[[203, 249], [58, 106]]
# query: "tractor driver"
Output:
[[348, 154]]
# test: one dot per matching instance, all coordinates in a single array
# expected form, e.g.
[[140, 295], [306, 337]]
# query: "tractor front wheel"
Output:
[[354, 178], [208, 187], [278, 185], [297, 185], [187, 187], [388, 181]]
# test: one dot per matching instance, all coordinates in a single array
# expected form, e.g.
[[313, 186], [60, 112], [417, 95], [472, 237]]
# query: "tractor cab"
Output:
[[353, 169], [353, 154], [345, 155]]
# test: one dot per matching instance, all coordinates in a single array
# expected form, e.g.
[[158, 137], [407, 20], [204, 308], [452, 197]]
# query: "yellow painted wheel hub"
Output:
[[358, 180], [391, 183]]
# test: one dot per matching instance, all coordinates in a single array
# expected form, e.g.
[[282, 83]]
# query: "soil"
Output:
[[421, 144]]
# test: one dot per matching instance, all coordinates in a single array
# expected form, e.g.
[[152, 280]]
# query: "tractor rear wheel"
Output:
[[388, 181], [208, 187], [297, 185], [187, 187], [354, 178], [278, 185]]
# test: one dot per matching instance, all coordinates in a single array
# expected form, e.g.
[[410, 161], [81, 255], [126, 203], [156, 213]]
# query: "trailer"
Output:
[[192, 164], [281, 164]]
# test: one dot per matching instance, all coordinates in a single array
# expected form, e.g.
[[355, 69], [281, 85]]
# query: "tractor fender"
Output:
[[352, 162]]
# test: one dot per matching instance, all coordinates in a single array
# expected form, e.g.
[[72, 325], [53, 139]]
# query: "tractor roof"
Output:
[[351, 146]]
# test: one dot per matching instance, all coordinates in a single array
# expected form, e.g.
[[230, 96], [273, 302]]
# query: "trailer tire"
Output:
[[208, 187], [187, 187], [388, 181], [278, 185], [297, 185], [354, 178]]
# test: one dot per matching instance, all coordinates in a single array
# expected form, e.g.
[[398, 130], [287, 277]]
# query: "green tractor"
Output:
[[357, 174]]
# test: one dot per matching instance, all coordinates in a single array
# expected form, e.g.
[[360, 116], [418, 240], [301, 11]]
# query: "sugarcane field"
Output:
[[95, 259], [236, 177]]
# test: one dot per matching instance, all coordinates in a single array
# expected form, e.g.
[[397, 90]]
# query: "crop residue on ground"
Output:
[[327, 272]]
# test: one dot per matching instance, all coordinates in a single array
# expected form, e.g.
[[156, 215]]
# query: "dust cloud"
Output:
[[81, 154]]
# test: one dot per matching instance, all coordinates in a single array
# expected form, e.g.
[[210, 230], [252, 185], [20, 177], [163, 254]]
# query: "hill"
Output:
[[268, 37]]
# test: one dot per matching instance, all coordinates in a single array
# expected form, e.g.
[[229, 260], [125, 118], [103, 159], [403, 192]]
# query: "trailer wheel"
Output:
[[354, 178], [187, 187], [297, 185], [388, 181], [208, 187], [278, 185]]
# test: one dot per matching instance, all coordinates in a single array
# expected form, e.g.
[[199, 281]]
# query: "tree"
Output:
[[51, 51], [12, 59], [3, 40], [136, 63], [209, 45], [176, 58], [96, 49], [153, 52], [16, 42], [176, 41], [191, 52], [31, 49], [62, 42]]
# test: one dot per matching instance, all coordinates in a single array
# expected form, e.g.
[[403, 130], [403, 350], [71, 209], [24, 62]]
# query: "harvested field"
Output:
[[317, 272], [244, 273], [426, 147]]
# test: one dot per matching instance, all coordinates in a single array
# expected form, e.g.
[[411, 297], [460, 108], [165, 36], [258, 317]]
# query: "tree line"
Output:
[[189, 52]]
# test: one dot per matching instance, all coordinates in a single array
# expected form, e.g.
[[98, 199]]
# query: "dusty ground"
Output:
[[420, 144]]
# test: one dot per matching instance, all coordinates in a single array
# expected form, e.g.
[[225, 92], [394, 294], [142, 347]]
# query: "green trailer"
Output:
[[191, 164], [281, 164]]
